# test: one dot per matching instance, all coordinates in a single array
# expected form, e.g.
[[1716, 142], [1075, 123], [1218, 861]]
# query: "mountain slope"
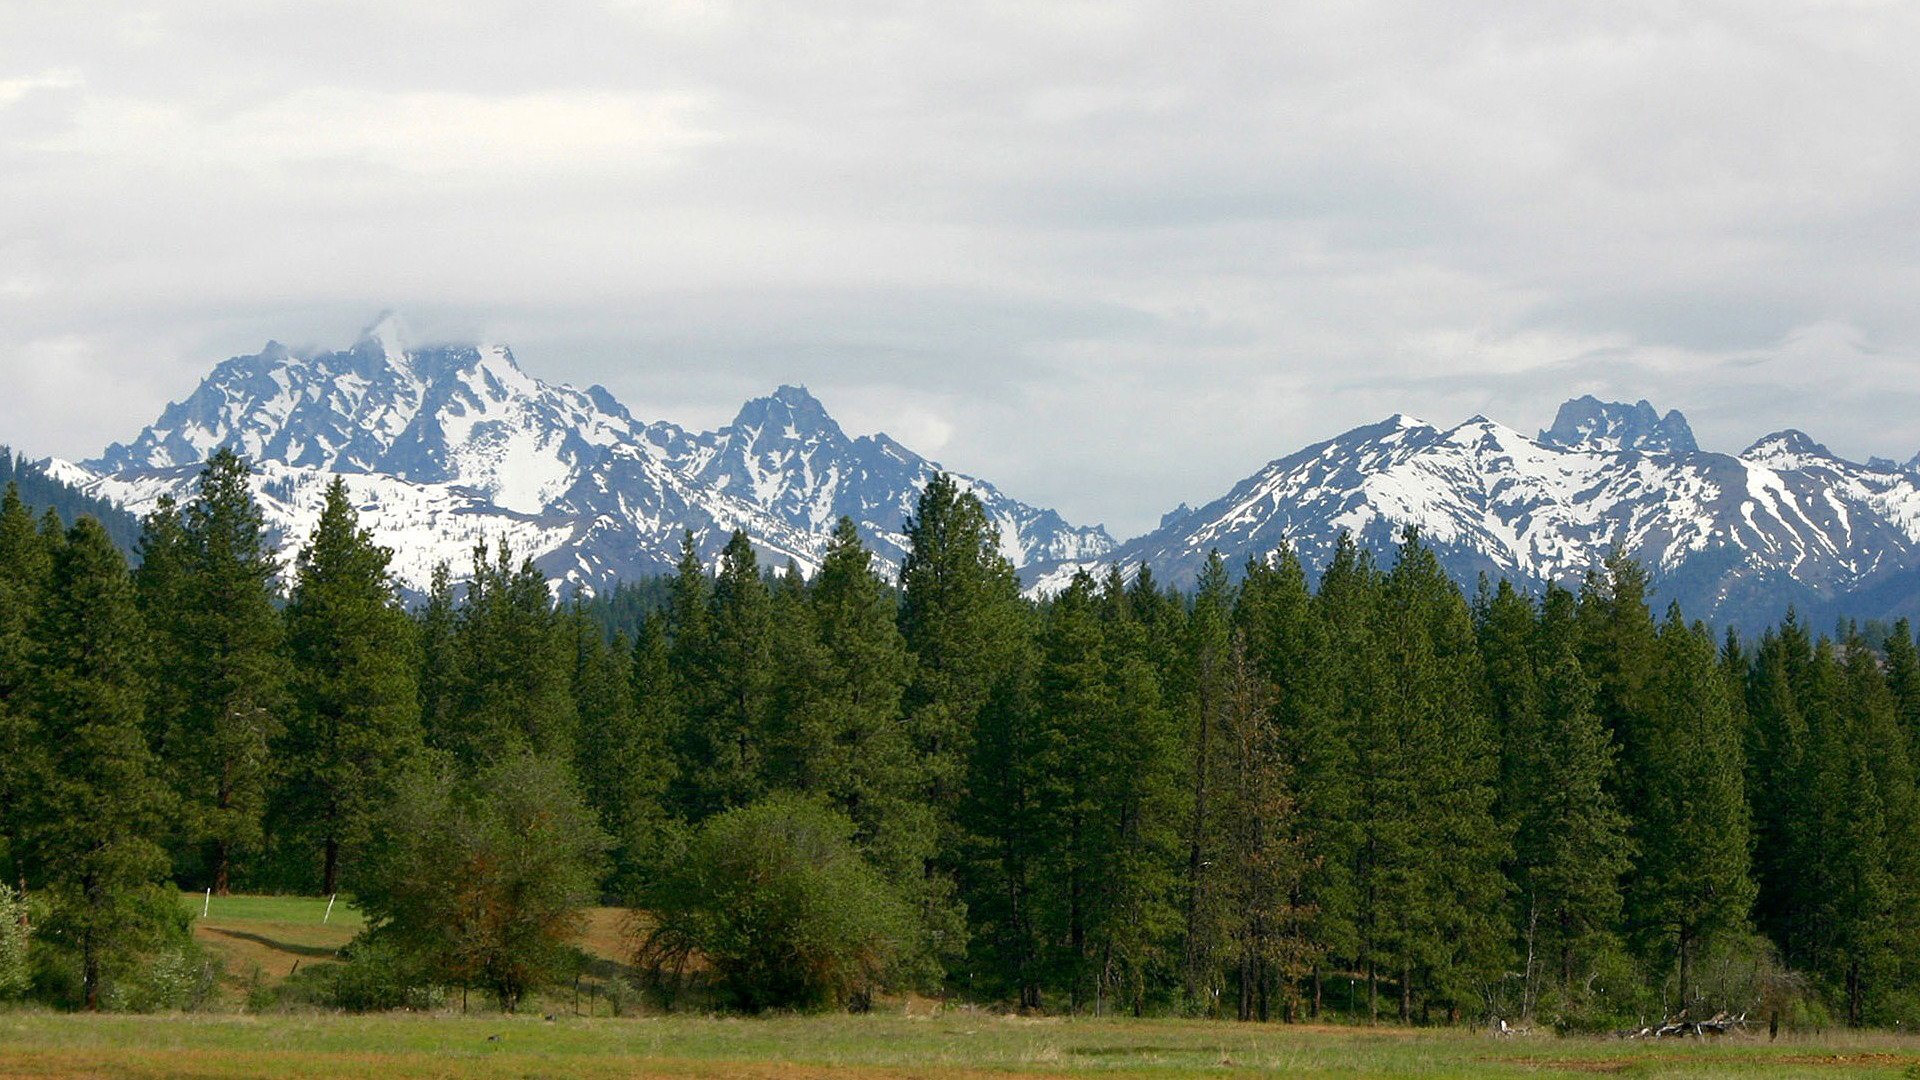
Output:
[[43, 490], [448, 445], [1733, 537]]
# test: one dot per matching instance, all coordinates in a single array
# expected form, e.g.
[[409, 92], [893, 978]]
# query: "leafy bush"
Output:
[[157, 965], [484, 883], [374, 976], [783, 908]]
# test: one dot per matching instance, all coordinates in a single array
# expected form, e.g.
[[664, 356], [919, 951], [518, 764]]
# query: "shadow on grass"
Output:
[[324, 951]]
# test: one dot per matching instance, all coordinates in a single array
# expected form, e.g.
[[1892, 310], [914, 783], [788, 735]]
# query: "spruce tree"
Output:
[[622, 765], [437, 632], [1440, 846], [1205, 693], [1341, 778], [515, 668], [729, 694], [963, 621], [99, 808], [1285, 642], [227, 640], [1690, 879], [24, 572], [355, 723], [1138, 810]]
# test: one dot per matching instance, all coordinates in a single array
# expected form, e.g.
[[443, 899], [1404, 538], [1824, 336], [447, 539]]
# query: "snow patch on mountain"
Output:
[[447, 444], [1784, 518]]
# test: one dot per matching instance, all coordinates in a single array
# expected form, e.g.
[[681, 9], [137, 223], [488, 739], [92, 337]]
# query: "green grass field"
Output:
[[952, 1045], [260, 939]]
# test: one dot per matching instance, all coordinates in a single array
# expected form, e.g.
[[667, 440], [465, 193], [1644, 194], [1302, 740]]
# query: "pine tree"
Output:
[[356, 717], [860, 756], [24, 573], [436, 633], [1690, 878], [226, 638], [1004, 836], [160, 588], [1072, 701], [1341, 777], [1265, 860], [99, 809], [1206, 691], [963, 621], [625, 763], [1285, 641], [1440, 845], [1884, 936], [1903, 678], [1571, 844], [1618, 652], [730, 689], [621, 763], [1775, 746], [515, 667]]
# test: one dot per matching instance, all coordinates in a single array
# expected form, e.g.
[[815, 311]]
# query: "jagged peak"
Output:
[[790, 410], [1790, 448], [1587, 423]]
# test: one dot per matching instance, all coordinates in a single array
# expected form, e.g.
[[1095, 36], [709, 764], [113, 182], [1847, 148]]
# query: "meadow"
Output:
[[262, 939]]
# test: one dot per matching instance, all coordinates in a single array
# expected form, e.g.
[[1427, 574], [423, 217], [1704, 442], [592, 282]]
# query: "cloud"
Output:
[[1110, 256]]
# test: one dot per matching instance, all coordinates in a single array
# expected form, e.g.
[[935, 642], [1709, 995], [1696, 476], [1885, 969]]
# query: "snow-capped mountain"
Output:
[[1733, 537], [448, 446]]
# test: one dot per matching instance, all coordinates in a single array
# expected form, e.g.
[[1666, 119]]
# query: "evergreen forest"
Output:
[[1362, 794]]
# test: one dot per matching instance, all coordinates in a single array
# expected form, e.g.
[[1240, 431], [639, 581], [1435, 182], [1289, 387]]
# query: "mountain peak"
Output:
[[1587, 423], [1788, 449], [790, 411]]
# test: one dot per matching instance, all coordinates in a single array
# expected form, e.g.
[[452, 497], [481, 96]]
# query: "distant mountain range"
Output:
[[446, 446], [1735, 538]]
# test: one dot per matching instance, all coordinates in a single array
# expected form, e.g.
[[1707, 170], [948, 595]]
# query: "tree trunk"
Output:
[[1313, 1010], [220, 868], [1373, 994], [1406, 994], [330, 869]]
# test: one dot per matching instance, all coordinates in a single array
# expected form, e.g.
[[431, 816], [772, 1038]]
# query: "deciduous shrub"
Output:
[[782, 908]]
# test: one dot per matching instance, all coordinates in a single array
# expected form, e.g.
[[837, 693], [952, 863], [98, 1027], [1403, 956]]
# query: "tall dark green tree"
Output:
[[356, 718], [1690, 880], [964, 623], [224, 644], [622, 761], [1571, 845], [1206, 689], [729, 689], [1285, 642], [99, 809], [1438, 766], [515, 667], [25, 569]]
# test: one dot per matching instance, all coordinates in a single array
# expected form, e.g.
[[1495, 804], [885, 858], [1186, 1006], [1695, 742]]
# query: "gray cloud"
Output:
[[1111, 256]]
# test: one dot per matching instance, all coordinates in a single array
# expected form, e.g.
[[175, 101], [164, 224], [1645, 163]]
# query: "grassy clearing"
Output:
[[954, 1045], [261, 940]]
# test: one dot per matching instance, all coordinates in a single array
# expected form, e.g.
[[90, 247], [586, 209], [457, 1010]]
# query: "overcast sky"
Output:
[[1109, 256]]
